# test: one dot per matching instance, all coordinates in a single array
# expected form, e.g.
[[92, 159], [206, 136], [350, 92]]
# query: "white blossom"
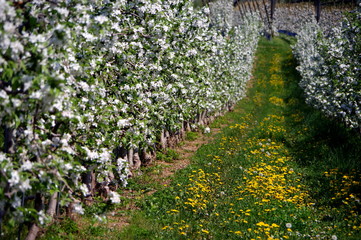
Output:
[[42, 217], [84, 189], [207, 130], [101, 19], [25, 185], [78, 208], [27, 165], [16, 202], [15, 178], [2, 157], [114, 197]]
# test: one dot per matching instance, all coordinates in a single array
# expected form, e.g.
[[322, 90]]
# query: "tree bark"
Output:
[[52, 205], [33, 232], [188, 127], [136, 160], [88, 180], [9, 140], [146, 158], [130, 157], [163, 140], [34, 229]]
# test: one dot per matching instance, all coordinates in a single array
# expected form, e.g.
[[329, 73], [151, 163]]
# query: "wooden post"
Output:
[[318, 9], [273, 6], [267, 15]]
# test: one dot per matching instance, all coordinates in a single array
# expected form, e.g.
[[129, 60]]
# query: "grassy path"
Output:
[[278, 170]]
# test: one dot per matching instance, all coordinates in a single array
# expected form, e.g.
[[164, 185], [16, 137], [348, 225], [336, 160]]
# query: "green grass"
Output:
[[167, 155], [278, 169], [274, 135], [191, 136]]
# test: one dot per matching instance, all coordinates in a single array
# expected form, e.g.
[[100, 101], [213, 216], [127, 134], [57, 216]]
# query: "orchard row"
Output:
[[90, 89], [330, 68]]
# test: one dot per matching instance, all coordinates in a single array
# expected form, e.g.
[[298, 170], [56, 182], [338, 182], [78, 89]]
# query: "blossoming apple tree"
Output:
[[89, 88], [330, 68]]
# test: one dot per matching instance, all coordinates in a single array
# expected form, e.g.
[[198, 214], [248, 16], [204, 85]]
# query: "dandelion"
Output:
[[205, 231], [288, 225]]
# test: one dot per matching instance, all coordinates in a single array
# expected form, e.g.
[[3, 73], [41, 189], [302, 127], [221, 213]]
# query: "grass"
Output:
[[191, 136], [278, 170], [167, 155]]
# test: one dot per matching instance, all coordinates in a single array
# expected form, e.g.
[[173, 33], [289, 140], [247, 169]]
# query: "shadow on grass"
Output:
[[317, 139], [319, 144]]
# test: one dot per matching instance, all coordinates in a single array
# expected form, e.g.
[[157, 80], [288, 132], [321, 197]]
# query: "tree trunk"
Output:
[[136, 160], [188, 127], [163, 140], [33, 232], [34, 229], [88, 180], [9, 140], [130, 157], [69, 210], [52, 205], [146, 158], [259, 10]]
